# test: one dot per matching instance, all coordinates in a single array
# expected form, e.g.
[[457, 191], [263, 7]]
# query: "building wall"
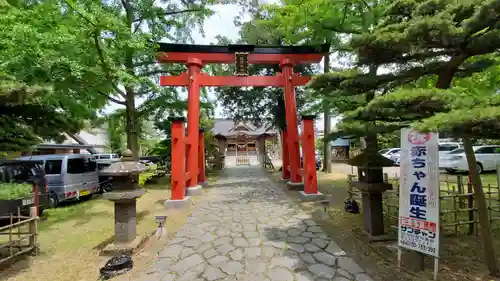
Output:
[[95, 137], [51, 151]]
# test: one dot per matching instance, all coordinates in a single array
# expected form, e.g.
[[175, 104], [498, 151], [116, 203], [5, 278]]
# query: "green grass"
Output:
[[11, 191], [145, 176], [73, 235]]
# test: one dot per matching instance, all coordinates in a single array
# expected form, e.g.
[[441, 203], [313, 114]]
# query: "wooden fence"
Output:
[[242, 159], [19, 236], [458, 208]]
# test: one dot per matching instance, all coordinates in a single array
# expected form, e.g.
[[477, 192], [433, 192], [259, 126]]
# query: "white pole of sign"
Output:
[[399, 256], [436, 268], [419, 208]]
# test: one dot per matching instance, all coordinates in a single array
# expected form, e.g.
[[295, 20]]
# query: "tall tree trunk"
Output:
[[482, 208], [327, 148], [370, 140], [444, 82], [132, 132], [132, 139], [280, 151]]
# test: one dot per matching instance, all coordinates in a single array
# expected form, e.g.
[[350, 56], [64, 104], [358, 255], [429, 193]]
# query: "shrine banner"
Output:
[[419, 192]]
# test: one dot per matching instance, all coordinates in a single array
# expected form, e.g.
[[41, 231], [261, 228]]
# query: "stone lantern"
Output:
[[124, 175], [371, 184]]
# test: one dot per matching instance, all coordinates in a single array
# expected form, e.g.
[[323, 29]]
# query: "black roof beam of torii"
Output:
[[237, 48]]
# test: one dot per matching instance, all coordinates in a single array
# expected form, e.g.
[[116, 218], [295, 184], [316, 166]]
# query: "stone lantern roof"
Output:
[[127, 166], [370, 160]]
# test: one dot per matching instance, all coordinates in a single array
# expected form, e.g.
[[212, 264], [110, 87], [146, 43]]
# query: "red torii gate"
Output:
[[195, 56]]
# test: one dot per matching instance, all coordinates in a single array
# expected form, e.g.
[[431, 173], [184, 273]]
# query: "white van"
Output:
[[106, 158], [69, 176]]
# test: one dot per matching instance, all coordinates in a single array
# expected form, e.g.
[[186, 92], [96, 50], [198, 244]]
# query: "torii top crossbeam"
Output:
[[181, 53], [268, 55]]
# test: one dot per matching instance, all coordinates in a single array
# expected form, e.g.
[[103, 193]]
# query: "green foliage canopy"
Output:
[[47, 83]]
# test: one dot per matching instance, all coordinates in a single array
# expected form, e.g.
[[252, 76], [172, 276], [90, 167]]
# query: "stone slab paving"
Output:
[[248, 230]]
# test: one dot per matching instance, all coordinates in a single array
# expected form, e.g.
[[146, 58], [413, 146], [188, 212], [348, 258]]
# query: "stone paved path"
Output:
[[248, 230]]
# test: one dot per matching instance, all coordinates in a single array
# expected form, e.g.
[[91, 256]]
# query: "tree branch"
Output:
[[341, 30], [169, 13], [144, 63], [104, 65], [111, 98], [156, 71], [100, 52], [78, 12]]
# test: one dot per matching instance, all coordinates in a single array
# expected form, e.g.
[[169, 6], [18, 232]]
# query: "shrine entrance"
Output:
[[242, 155], [188, 178]]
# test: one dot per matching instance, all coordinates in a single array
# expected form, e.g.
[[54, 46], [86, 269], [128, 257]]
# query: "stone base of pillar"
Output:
[[295, 185], [373, 213], [195, 190], [124, 248], [379, 238], [308, 197], [178, 204], [203, 184]]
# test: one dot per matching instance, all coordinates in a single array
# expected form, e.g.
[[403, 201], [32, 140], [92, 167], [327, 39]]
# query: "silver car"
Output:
[[390, 153], [69, 176]]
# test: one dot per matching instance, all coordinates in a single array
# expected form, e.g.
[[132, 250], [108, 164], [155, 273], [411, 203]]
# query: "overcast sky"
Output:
[[221, 23]]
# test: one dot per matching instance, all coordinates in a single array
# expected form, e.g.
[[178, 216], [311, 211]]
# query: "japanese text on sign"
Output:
[[419, 192]]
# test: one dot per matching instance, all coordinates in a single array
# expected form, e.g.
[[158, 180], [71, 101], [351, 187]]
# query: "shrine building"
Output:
[[243, 136]]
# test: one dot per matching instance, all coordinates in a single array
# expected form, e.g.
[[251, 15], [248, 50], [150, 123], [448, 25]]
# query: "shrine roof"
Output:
[[254, 49], [228, 127]]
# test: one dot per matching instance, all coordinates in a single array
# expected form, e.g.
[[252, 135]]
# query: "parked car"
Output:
[[106, 158], [447, 147], [105, 182], [318, 160], [146, 162], [390, 153], [22, 178], [444, 148], [487, 158], [398, 161], [69, 176]]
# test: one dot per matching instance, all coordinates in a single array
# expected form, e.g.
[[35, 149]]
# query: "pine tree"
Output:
[[440, 39]]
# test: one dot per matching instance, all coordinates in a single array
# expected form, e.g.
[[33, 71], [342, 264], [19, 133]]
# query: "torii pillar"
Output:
[[291, 124], [194, 68]]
